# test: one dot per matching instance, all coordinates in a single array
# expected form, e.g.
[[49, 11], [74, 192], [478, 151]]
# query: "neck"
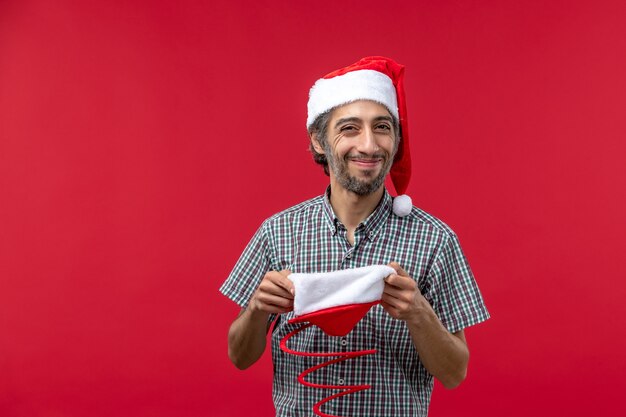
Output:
[[351, 209]]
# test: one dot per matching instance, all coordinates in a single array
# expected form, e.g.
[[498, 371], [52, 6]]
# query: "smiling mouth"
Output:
[[366, 162]]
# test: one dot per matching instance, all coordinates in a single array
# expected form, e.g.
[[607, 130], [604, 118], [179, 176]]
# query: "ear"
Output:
[[316, 144]]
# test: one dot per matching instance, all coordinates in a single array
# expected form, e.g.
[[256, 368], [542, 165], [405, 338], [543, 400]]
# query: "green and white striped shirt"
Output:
[[309, 238]]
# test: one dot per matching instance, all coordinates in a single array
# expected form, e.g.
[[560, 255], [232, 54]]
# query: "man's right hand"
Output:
[[247, 334], [274, 295]]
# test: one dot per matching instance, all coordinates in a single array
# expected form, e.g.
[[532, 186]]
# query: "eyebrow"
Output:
[[357, 119]]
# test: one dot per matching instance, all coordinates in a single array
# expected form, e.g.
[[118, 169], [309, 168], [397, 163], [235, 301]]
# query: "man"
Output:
[[358, 131]]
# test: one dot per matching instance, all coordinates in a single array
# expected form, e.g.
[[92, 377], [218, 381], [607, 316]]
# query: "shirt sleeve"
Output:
[[249, 270], [454, 293]]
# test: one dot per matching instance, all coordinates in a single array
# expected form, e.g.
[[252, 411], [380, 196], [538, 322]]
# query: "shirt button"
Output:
[[349, 256], [341, 381], [344, 342]]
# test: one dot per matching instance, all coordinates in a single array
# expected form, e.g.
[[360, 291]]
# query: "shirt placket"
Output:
[[342, 346], [349, 252], [348, 260]]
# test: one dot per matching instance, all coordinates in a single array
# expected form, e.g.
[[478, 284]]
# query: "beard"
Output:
[[360, 187]]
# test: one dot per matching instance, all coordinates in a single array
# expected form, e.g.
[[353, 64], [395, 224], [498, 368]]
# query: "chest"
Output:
[[315, 250]]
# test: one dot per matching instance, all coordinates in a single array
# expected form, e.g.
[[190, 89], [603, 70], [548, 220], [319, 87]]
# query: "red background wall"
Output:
[[142, 143]]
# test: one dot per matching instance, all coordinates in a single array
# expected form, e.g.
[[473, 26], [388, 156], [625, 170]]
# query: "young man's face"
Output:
[[360, 146]]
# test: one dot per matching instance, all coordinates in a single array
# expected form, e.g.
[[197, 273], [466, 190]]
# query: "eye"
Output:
[[383, 126], [347, 128]]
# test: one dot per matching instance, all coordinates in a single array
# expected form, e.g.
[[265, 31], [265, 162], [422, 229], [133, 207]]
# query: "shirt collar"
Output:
[[371, 224]]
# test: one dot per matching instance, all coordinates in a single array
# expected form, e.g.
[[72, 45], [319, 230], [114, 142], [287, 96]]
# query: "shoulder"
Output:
[[424, 224], [302, 211]]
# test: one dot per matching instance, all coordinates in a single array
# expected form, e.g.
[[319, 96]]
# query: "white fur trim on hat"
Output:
[[318, 291], [328, 93]]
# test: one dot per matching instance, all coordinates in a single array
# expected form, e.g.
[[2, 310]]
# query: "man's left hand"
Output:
[[401, 296]]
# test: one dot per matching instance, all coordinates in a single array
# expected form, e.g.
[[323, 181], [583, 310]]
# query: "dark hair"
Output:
[[320, 128]]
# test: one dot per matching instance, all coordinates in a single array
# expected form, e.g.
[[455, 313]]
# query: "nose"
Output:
[[368, 143]]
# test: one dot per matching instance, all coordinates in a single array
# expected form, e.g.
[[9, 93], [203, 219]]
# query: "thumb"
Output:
[[288, 283], [399, 270]]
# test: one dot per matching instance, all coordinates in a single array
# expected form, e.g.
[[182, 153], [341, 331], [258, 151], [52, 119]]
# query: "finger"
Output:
[[269, 303], [281, 282], [270, 289], [274, 309], [273, 304], [398, 297], [287, 282], [391, 310], [399, 305], [274, 299], [399, 270], [388, 299], [400, 282], [391, 280], [392, 291]]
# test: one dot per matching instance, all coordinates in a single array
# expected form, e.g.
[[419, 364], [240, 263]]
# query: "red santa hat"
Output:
[[336, 301], [379, 79]]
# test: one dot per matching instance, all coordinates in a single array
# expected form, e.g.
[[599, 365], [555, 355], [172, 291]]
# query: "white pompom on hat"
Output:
[[379, 79], [402, 205]]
